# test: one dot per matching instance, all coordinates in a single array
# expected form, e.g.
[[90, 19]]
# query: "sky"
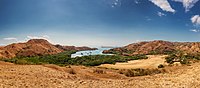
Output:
[[99, 22]]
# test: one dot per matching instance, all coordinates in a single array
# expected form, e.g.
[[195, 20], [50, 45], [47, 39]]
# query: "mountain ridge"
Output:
[[157, 47]]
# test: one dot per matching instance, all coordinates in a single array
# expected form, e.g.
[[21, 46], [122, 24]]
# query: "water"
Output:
[[90, 52]]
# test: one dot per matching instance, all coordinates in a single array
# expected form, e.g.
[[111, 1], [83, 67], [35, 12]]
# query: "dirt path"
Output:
[[152, 62]]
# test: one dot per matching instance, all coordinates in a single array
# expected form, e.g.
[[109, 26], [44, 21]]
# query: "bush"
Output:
[[72, 71], [183, 59], [21, 62], [139, 72], [161, 66]]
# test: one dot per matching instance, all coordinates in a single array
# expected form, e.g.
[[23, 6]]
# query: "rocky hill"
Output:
[[31, 48], [157, 47], [35, 47], [66, 48]]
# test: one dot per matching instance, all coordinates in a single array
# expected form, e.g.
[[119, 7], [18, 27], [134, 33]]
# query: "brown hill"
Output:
[[66, 48], [157, 47], [33, 47]]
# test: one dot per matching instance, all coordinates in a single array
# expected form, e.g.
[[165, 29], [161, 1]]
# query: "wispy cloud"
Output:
[[147, 18], [161, 14], [163, 4], [38, 37], [10, 39], [195, 30], [116, 3], [187, 4]]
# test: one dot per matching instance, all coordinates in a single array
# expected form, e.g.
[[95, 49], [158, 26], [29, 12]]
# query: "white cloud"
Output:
[[116, 3], [194, 30], [187, 4], [137, 2], [10, 39], [163, 4], [38, 37], [196, 20], [161, 14], [147, 18]]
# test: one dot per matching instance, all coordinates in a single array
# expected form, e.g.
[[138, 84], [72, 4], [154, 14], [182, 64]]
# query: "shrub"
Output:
[[184, 61], [72, 71], [161, 66], [140, 72], [21, 62]]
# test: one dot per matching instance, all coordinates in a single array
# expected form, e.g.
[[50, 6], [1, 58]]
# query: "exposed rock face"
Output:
[[33, 47], [157, 47], [66, 48]]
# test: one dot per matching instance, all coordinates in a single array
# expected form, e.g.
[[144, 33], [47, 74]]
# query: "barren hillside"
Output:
[[157, 47], [31, 48], [35, 47]]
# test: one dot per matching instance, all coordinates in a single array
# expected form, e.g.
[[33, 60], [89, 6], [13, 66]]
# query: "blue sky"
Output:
[[99, 22]]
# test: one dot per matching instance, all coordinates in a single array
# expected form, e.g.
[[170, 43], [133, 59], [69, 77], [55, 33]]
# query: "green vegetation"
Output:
[[161, 66], [63, 59], [183, 59], [165, 52], [120, 51], [140, 72]]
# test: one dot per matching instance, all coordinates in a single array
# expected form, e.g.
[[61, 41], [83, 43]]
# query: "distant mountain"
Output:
[[108, 47], [66, 48], [35, 47], [157, 47]]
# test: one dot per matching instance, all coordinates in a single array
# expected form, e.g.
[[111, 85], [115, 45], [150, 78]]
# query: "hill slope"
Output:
[[35, 47], [31, 48], [38, 76], [157, 47]]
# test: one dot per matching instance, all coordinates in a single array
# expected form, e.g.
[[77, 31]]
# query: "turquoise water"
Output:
[[90, 52]]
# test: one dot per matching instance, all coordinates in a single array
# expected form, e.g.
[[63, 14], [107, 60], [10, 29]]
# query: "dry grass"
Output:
[[55, 67], [99, 71], [140, 72]]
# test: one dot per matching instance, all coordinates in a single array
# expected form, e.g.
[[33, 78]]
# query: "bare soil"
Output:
[[52, 76], [153, 61]]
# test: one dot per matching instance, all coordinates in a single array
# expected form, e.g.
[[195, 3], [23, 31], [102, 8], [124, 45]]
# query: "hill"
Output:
[[35, 47], [67, 48], [157, 47]]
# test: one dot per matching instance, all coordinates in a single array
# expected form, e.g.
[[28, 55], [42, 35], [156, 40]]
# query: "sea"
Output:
[[99, 51]]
